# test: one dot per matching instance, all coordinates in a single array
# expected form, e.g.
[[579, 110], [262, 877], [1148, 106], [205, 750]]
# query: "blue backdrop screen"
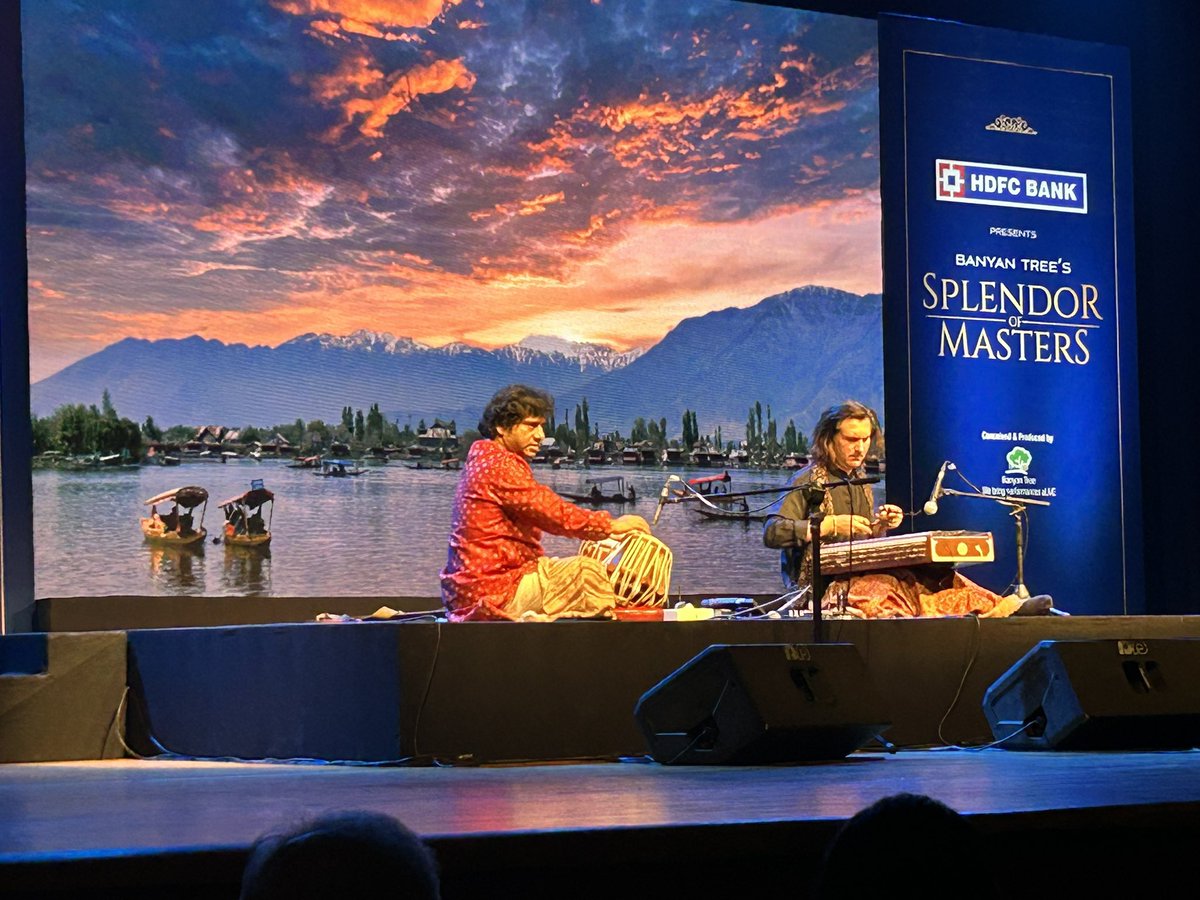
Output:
[[1009, 332]]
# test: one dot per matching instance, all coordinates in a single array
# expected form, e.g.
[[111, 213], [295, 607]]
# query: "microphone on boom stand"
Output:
[[931, 505]]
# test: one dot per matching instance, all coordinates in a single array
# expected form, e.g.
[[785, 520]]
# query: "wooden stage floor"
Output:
[[1050, 822]]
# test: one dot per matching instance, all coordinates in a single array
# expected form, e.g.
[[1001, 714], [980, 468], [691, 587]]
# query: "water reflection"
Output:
[[247, 570], [178, 569], [381, 534]]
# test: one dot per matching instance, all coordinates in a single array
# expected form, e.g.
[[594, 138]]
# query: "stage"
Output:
[[1052, 824], [515, 750]]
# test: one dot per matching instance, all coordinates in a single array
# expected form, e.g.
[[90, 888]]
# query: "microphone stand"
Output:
[[1019, 508], [814, 495], [817, 590]]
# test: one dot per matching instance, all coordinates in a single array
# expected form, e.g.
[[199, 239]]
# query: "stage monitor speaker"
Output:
[[1099, 695], [738, 704]]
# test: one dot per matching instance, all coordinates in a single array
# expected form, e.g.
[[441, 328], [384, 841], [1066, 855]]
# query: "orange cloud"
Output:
[[595, 224], [355, 75], [539, 204], [272, 200], [370, 17], [38, 287], [519, 207], [405, 89], [658, 135]]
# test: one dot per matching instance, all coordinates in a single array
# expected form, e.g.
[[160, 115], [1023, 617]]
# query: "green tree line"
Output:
[[762, 440], [77, 429]]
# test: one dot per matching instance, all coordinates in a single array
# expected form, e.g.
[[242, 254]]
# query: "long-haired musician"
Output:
[[841, 441]]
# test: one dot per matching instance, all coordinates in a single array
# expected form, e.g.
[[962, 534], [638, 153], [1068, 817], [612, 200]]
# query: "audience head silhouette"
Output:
[[350, 854], [906, 845]]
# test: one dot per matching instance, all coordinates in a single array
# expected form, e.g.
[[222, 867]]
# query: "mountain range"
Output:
[[796, 352]]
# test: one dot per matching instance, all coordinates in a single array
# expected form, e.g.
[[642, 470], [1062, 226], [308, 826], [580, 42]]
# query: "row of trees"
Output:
[[78, 429], [372, 428], [764, 443]]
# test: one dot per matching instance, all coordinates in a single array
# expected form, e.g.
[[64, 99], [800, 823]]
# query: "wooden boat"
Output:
[[731, 515], [339, 468], [178, 527], [244, 525], [305, 462], [449, 463], [715, 489], [605, 489], [712, 486]]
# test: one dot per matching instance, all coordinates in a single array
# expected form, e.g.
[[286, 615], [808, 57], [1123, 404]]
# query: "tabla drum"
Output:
[[638, 566]]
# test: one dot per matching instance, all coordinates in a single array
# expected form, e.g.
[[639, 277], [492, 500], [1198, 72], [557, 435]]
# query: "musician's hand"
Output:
[[627, 523], [845, 526], [889, 516]]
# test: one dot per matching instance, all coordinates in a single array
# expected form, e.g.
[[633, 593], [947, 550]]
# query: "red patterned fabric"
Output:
[[500, 512], [902, 593]]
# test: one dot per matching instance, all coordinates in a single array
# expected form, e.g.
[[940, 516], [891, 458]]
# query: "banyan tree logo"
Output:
[[1018, 460]]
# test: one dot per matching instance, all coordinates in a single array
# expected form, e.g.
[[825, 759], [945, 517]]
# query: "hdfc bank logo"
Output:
[[958, 181], [950, 182]]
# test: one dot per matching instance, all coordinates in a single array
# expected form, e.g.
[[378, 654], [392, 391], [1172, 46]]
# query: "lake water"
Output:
[[379, 534]]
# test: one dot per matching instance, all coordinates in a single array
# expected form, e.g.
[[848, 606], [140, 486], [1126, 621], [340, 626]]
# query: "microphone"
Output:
[[662, 499], [931, 505]]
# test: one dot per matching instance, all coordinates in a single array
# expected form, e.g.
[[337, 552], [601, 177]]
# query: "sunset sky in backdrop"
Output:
[[446, 170]]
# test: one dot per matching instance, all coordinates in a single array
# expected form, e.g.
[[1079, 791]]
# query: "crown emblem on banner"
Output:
[[1018, 460], [1011, 124]]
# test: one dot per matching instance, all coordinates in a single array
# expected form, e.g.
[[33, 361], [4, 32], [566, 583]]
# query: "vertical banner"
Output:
[[1009, 339]]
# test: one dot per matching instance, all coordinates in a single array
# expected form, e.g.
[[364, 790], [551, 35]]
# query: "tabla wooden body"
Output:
[[638, 565]]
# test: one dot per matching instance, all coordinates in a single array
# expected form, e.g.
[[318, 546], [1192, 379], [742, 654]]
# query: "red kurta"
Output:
[[500, 512]]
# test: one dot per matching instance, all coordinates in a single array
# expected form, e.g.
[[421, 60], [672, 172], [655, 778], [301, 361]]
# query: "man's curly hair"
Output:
[[514, 404]]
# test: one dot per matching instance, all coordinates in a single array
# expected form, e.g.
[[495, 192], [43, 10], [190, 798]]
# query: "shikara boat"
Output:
[[605, 489], [732, 514], [449, 463], [177, 527], [244, 524], [711, 486], [716, 490], [339, 468]]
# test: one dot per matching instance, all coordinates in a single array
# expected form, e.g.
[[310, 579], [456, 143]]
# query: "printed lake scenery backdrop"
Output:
[[268, 233]]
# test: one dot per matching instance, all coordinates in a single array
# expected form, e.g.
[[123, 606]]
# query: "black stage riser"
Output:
[[492, 692]]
